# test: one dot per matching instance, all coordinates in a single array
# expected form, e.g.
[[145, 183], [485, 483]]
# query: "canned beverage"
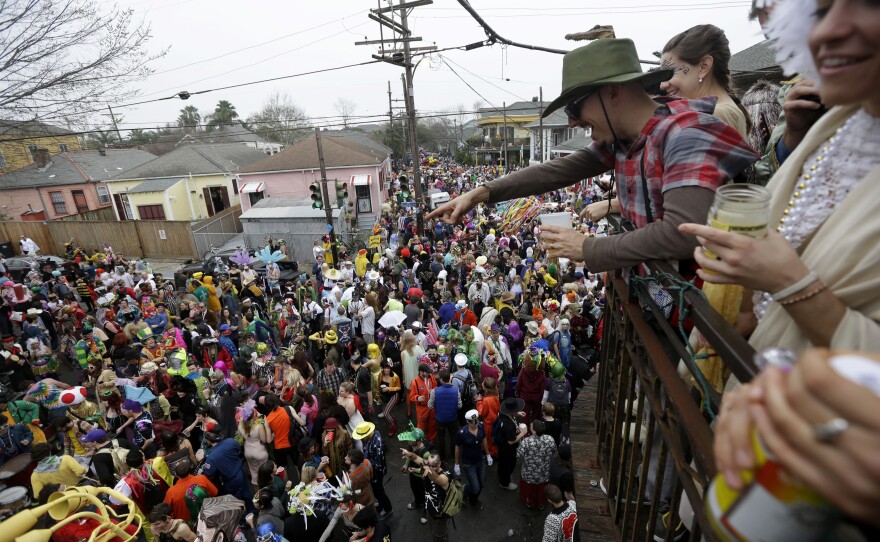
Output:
[[773, 505]]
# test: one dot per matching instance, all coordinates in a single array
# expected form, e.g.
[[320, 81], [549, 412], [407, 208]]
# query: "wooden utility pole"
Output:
[[115, 126], [328, 211], [403, 57], [541, 120], [504, 140]]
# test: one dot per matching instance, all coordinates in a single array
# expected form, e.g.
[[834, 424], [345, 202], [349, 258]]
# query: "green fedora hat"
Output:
[[602, 62]]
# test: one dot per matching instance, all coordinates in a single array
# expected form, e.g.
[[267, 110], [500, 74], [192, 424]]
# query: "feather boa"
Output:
[[789, 26]]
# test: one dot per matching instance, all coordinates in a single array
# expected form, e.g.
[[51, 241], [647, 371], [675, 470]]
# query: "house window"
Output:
[[103, 195], [63, 148], [58, 203], [2, 160], [254, 197], [151, 212], [32, 149], [364, 201]]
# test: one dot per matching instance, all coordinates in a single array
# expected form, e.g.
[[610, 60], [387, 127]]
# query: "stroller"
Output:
[[219, 519]]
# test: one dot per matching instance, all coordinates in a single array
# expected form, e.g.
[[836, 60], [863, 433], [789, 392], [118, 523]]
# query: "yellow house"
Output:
[[21, 143], [192, 182], [512, 117]]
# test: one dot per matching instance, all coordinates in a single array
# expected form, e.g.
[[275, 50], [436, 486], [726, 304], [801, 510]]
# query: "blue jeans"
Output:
[[475, 476]]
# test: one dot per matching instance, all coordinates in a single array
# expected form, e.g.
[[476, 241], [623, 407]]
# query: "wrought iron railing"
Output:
[[653, 427]]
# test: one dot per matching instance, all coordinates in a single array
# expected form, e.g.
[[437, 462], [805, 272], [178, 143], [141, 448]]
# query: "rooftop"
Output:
[[234, 133], [572, 144], [195, 160], [75, 167], [515, 109], [30, 127], [555, 119], [757, 58], [340, 150], [285, 208], [154, 185]]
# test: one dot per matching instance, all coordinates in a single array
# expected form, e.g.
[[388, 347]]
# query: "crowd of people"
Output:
[[461, 346]]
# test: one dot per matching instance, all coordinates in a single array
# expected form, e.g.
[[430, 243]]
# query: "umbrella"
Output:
[[392, 319]]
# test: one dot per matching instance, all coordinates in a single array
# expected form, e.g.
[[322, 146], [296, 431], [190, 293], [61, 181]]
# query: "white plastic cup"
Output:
[[556, 219]]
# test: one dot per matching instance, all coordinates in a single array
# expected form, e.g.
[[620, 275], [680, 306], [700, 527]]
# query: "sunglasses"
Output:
[[573, 110]]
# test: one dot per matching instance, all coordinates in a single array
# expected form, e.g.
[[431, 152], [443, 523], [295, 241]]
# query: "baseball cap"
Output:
[[461, 360]]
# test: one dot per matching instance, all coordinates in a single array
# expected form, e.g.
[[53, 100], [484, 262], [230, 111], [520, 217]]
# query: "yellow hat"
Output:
[[363, 430], [330, 337]]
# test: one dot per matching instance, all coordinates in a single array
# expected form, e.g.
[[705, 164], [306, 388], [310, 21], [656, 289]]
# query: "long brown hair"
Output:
[[706, 39]]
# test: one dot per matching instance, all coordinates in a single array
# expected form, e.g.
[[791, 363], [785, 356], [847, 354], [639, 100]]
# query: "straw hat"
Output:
[[363, 430], [333, 274]]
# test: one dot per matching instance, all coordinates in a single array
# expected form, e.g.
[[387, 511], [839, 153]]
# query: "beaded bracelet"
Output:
[[795, 288], [804, 297]]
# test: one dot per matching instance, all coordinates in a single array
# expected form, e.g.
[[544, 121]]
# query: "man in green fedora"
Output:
[[668, 156]]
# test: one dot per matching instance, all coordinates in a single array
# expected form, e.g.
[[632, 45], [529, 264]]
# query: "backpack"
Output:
[[497, 438], [119, 455], [454, 498], [468, 389], [558, 395]]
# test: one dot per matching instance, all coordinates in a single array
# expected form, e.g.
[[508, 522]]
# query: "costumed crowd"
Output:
[[459, 345]]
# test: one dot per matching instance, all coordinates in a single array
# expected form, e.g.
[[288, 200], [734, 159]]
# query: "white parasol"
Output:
[[392, 319]]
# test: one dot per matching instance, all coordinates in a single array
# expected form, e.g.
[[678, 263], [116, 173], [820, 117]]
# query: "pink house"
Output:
[[65, 184], [353, 159]]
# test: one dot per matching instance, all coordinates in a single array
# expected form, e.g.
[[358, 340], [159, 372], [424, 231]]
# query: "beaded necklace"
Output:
[[813, 178]]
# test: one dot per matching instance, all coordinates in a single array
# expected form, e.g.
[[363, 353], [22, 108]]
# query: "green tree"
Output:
[[189, 119], [224, 113], [141, 137], [102, 139]]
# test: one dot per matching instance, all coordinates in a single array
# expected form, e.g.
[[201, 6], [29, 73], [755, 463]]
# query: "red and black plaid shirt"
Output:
[[682, 145]]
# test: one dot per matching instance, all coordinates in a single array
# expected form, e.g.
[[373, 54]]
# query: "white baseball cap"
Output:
[[460, 304], [461, 360]]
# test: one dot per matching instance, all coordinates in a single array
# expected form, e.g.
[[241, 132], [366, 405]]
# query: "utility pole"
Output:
[[541, 120], [403, 57], [115, 126], [504, 140], [328, 212]]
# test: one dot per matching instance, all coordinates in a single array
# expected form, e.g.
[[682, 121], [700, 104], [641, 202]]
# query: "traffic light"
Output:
[[404, 188], [317, 200], [341, 194]]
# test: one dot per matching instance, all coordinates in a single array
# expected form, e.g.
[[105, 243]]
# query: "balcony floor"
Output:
[[592, 504]]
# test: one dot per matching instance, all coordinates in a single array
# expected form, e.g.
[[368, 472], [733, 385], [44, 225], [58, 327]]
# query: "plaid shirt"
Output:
[[682, 145], [331, 382]]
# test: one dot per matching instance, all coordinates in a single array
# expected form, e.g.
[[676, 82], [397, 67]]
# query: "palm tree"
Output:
[[140, 137], [224, 113], [189, 118], [100, 140]]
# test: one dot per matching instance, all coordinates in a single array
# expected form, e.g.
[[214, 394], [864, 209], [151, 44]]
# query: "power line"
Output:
[[569, 10], [310, 126], [468, 84], [273, 40], [607, 12], [482, 79]]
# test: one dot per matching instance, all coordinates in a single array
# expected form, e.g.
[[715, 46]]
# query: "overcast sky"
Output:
[[261, 39]]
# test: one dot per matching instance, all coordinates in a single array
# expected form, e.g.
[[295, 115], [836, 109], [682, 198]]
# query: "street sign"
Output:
[[375, 241]]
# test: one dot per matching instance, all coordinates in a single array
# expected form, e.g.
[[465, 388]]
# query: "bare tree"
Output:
[[63, 59], [280, 119], [345, 108]]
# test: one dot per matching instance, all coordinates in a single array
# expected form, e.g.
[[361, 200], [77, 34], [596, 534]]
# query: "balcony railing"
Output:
[[651, 423]]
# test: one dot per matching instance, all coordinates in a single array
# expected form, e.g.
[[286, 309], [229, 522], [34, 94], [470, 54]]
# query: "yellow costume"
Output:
[[213, 299], [360, 263]]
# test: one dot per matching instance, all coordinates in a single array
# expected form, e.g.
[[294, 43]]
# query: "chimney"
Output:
[[41, 157], [103, 151]]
